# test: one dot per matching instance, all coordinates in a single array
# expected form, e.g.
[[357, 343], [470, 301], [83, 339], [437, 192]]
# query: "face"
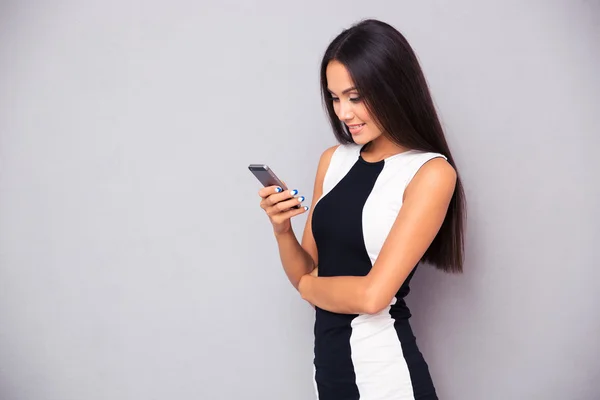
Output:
[[348, 104]]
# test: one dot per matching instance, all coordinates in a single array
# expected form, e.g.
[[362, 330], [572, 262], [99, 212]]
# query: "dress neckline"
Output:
[[383, 160]]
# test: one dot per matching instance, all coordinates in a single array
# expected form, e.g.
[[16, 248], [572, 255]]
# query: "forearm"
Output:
[[295, 260], [340, 294]]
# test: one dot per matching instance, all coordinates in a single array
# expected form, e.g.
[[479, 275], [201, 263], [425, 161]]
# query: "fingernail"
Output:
[[305, 208], [278, 189], [294, 192], [300, 199]]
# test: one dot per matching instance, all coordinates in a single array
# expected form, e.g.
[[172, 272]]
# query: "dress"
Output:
[[362, 356]]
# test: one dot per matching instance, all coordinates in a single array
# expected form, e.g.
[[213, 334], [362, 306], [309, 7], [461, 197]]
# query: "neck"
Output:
[[382, 147]]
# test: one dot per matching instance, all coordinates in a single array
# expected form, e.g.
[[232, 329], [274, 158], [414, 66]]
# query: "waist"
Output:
[[330, 325], [375, 339]]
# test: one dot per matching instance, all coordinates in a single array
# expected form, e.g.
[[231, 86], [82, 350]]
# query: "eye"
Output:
[[356, 99], [334, 99]]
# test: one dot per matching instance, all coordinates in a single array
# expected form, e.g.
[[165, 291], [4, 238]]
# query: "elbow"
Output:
[[373, 307], [300, 286], [374, 303]]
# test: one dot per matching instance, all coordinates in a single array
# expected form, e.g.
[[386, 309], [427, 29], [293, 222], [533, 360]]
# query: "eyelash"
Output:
[[354, 100]]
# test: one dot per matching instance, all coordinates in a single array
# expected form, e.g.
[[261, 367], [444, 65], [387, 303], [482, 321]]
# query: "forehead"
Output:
[[338, 78]]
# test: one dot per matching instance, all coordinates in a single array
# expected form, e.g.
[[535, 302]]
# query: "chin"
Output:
[[361, 139], [364, 139]]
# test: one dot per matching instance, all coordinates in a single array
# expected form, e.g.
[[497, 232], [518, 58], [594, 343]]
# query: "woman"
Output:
[[385, 199]]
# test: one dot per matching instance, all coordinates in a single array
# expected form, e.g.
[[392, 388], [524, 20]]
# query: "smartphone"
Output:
[[267, 177]]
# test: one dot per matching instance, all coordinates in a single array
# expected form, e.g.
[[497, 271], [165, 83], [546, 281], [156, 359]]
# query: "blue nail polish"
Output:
[[294, 192], [305, 208], [278, 189], [301, 199]]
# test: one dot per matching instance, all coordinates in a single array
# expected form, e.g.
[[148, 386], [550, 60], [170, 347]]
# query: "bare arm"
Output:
[[425, 205], [300, 259], [295, 259]]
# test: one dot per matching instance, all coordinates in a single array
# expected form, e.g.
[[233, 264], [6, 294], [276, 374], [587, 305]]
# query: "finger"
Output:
[[279, 197], [284, 205], [263, 204], [281, 217], [272, 200], [269, 190]]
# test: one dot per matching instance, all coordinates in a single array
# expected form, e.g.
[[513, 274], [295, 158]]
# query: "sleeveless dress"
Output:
[[365, 356]]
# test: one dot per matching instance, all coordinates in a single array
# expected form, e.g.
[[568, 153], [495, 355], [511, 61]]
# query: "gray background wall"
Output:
[[135, 262]]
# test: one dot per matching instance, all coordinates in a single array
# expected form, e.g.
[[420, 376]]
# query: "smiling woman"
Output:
[[385, 199], [348, 106]]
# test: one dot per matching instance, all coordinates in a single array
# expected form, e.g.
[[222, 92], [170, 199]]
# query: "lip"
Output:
[[355, 129]]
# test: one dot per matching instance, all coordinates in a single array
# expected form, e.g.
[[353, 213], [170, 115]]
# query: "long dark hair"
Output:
[[389, 79]]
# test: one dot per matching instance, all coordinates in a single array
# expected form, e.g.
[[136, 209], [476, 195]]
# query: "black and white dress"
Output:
[[365, 356]]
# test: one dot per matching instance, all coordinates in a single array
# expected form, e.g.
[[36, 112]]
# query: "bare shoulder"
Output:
[[439, 169], [436, 175], [325, 160], [328, 153]]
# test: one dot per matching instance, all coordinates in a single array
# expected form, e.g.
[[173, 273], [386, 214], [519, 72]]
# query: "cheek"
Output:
[[336, 109], [362, 113]]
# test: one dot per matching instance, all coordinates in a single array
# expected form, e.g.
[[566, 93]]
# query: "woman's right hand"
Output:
[[278, 206]]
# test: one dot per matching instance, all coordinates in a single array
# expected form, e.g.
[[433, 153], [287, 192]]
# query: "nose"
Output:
[[345, 111]]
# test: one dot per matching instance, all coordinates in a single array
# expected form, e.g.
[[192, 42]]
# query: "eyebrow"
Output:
[[345, 91]]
